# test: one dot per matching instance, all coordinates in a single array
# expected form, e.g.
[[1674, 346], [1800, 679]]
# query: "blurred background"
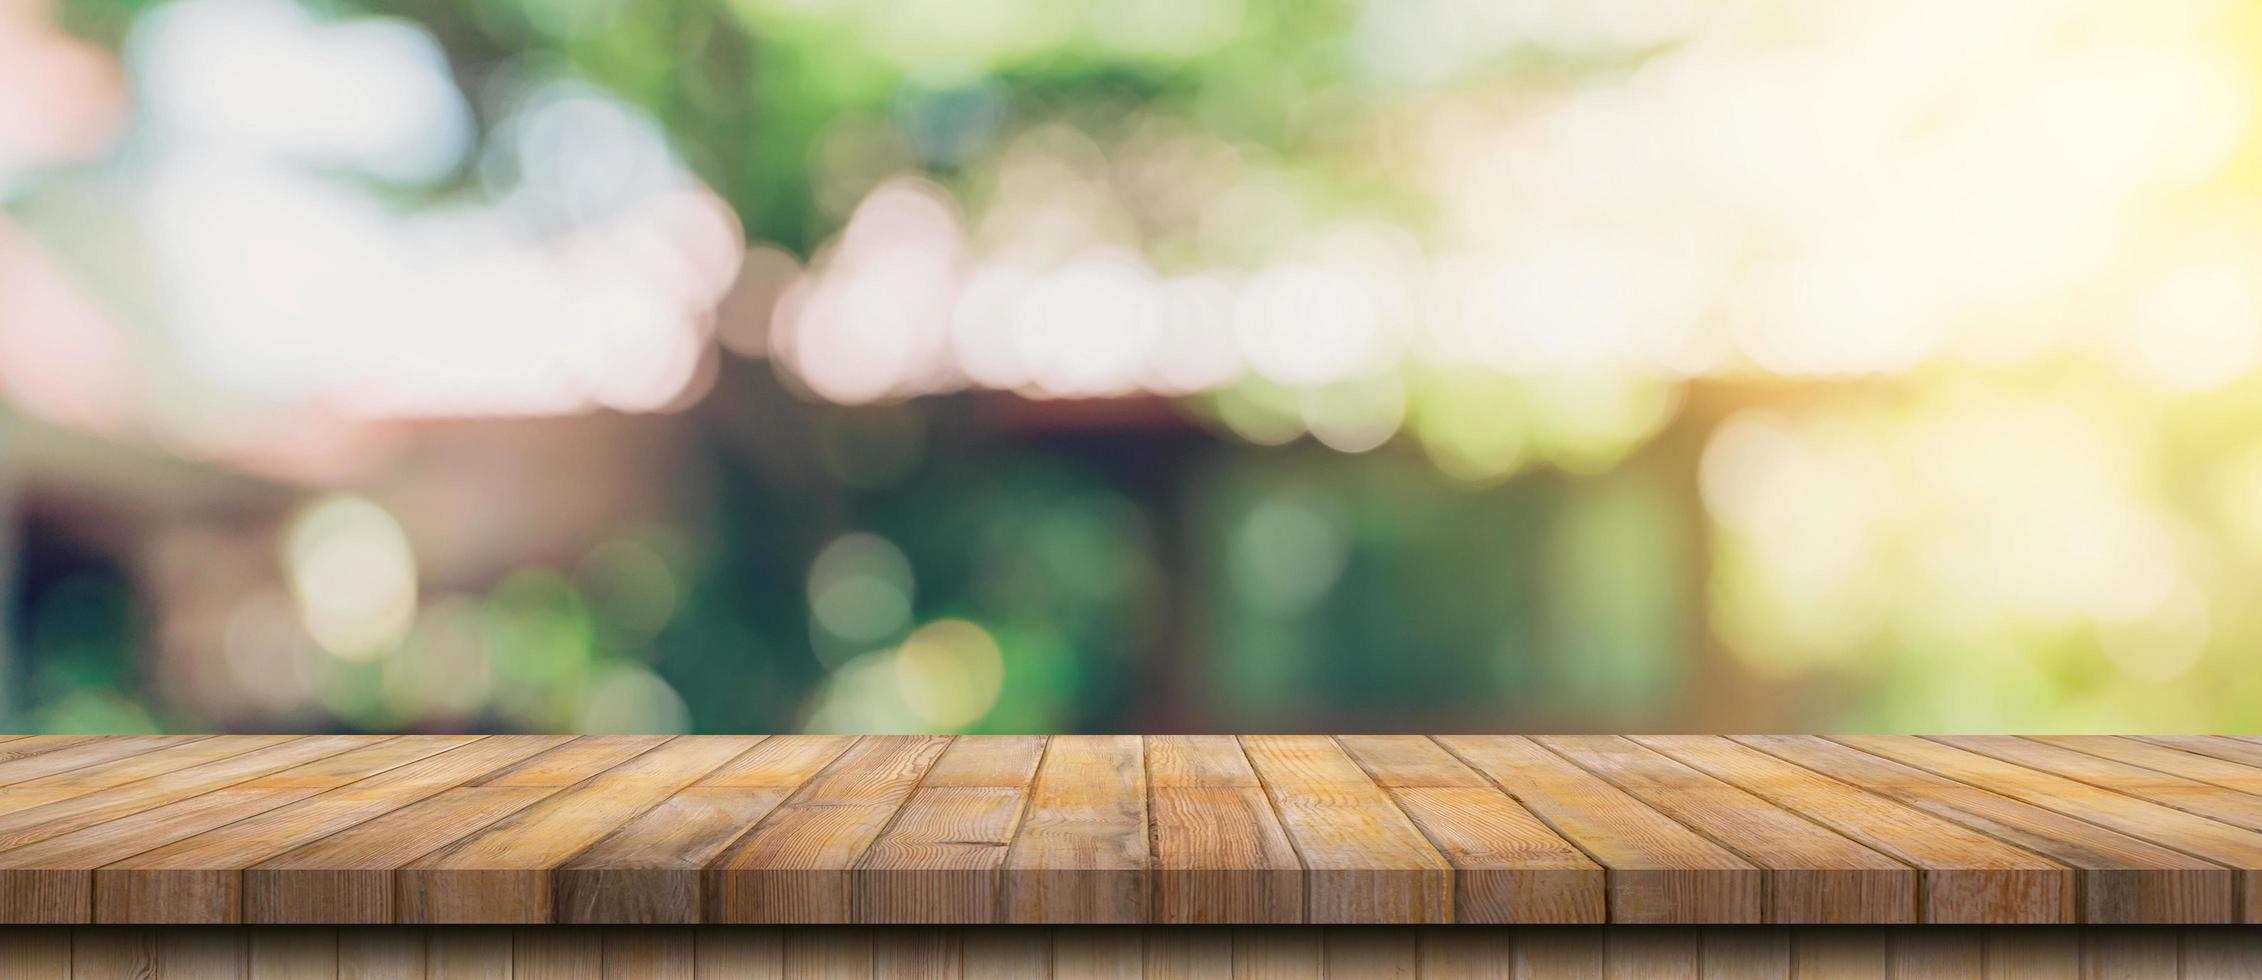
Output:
[[1089, 365]]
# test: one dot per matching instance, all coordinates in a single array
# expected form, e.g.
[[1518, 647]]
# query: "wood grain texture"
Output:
[[54, 875], [35, 952], [1220, 854], [649, 871], [79, 782], [199, 879], [2167, 758], [1814, 874], [502, 873], [58, 817], [648, 953], [348, 877], [23, 746], [380, 953], [563, 953], [797, 865], [738, 953], [79, 755], [1939, 954], [2216, 746], [1660, 871], [2210, 840], [2122, 879], [1082, 852], [1968, 876], [2146, 783], [286, 952], [940, 861], [1364, 861], [1353, 830], [1507, 865]]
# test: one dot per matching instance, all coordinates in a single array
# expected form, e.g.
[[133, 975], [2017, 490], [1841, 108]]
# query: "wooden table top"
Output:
[[1129, 829]]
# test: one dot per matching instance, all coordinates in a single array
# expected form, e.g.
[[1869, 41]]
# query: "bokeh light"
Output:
[[896, 365], [353, 575]]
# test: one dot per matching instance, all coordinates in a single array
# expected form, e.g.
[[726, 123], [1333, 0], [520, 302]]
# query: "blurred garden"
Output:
[[1138, 365]]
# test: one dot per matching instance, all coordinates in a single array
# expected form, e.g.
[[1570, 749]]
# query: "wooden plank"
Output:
[[1278, 953], [573, 762], [2165, 758], [557, 953], [940, 860], [200, 878], [987, 761], [348, 877], [1750, 952], [738, 953], [796, 866], [826, 954], [1180, 953], [2221, 843], [1508, 867], [1099, 953], [468, 953], [22, 746], [52, 880], [1566, 952], [1364, 861], [125, 952], [930, 953], [502, 873], [1939, 954], [2222, 747], [1653, 954], [2122, 879], [1382, 952], [1462, 953], [219, 952], [649, 871], [1814, 875], [648, 953], [80, 755], [2132, 952], [1220, 853], [59, 817], [36, 952], [288, 952], [135, 768], [1660, 871], [1841, 954], [2189, 795], [2032, 953], [380, 953], [1023, 953], [1968, 876], [2221, 953], [1081, 853]]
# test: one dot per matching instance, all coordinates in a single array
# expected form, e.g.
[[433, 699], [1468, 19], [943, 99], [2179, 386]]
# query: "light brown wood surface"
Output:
[[1508, 866], [1660, 871], [1220, 854], [1126, 830], [1364, 861], [2122, 878], [1968, 876], [1814, 874], [1081, 854]]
